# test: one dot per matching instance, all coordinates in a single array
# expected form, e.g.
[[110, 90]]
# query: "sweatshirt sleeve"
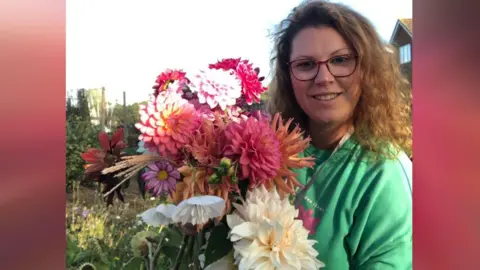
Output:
[[381, 235]]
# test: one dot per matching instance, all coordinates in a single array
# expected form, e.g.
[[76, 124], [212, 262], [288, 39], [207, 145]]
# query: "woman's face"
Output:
[[326, 98]]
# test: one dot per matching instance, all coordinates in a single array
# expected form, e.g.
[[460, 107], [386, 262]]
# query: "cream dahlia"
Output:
[[216, 88], [167, 121], [266, 234], [253, 143]]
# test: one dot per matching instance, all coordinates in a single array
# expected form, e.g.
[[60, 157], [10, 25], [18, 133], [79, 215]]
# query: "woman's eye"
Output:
[[304, 64], [340, 60]]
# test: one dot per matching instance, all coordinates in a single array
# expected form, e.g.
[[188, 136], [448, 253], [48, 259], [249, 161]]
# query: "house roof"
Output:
[[406, 24]]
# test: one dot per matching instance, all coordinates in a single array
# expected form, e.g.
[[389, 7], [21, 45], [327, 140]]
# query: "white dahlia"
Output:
[[198, 210], [216, 88], [266, 234]]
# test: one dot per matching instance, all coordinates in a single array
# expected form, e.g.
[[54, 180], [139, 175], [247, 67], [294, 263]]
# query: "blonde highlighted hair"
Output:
[[382, 117]]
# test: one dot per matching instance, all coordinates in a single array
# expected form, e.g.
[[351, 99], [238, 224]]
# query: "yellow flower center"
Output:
[[162, 175]]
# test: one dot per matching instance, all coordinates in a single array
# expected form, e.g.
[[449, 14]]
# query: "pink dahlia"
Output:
[[174, 79], [168, 123], [226, 64], [252, 86], [251, 83], [203, 110], [230, 113], [161, 177], [254, 144], [217, 88], [234, 114]]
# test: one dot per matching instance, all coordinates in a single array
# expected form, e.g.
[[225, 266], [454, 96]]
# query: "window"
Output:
[[405, 53]]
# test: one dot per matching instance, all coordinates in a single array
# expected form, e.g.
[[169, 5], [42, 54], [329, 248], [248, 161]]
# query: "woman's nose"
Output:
[[324, 76]]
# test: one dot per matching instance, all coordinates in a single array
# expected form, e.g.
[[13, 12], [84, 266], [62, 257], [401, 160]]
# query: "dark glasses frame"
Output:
[[326, 63]]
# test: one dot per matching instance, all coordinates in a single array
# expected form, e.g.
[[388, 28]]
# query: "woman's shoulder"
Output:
[[363, 179], [356, 168], [394, 171], [382, 199]]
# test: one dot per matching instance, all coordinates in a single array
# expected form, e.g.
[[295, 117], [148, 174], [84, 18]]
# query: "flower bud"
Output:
[[214, 179], [226, 162]]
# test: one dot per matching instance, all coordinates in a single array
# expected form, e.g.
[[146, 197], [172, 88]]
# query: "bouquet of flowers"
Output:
[[222, 168]]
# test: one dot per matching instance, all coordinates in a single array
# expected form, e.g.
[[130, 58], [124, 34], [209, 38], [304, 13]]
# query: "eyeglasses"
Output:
[[338, 66]]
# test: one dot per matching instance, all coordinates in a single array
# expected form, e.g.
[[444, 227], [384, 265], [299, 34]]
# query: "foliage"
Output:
[[81, 134], [101, 236], [79, 107], [126, 117]]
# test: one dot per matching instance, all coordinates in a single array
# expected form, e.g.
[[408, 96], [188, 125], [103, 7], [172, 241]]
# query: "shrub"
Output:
[[81, 134]]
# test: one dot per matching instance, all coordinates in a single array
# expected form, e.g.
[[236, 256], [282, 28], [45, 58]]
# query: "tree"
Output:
[[78, 107]]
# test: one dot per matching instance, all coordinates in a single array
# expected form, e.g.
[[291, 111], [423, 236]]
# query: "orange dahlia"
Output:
[[195, 182], [291, 145], [206, 143], [168, 122], [254, 144]]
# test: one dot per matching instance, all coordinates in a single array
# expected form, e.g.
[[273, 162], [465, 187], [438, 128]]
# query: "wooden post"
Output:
[[125, 120], [102, 110]]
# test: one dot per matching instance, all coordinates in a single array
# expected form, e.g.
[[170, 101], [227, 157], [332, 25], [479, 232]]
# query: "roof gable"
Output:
[[405, 24]]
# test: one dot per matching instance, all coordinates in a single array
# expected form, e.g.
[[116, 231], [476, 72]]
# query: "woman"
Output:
[[335, 78]]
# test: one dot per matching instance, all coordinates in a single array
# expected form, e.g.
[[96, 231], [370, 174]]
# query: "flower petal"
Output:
[[104, 141], [244, 230], [154, 218], [234, 220], [166, 209], [153, 166]]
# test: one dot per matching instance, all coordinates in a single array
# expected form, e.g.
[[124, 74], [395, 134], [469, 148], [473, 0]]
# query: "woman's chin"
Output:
[[322, 122]]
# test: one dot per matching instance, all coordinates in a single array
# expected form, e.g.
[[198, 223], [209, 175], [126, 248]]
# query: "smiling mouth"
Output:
[[326, 97]]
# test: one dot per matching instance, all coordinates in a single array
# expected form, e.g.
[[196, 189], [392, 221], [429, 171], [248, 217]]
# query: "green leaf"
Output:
[[133, 264], [102, 253], [72, 250], [170, 253], [173, 238], [218, 244], [82, 257]]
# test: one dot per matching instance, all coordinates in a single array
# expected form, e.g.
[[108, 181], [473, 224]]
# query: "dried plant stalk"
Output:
[[130, 166]]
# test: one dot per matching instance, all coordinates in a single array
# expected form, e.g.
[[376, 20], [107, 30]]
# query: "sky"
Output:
[[124, 44]]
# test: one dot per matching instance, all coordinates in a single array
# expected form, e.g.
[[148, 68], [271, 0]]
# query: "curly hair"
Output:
[[382, 117]]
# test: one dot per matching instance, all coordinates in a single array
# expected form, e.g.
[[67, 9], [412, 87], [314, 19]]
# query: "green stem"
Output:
[[200, 239], [146, 263], [190, 252], [179, 258], [156, 253]]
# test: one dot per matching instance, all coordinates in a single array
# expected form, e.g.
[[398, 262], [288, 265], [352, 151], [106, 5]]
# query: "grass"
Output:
[[100, 235]]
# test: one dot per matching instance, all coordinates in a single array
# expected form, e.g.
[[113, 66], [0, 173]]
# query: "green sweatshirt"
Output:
[[359, 212]]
